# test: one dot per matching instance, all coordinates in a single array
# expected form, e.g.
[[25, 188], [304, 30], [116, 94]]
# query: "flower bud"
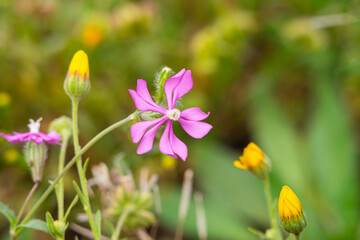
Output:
[[291, 212], [35, 156], [77, 81], [62, 125], [160, 80], [254, 160]]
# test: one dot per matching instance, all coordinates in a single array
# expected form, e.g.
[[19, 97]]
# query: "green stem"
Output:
[[26, 201], [82, 175], [72, 162], [297, 237], [119, 224], [60, 196], [272, 212]]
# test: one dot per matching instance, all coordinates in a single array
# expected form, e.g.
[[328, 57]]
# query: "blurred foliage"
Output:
[[284, 74]]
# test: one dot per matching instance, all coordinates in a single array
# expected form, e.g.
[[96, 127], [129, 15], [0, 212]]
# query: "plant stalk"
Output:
[[272, 211], [27, 201], [60, 196], [82, 175], [72, 162]]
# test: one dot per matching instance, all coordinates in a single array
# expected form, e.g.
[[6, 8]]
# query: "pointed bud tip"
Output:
[[80, 64]]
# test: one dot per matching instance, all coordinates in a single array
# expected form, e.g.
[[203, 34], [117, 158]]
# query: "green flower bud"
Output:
[[160, 80], [77, 81], [35, 156], [62, 125]]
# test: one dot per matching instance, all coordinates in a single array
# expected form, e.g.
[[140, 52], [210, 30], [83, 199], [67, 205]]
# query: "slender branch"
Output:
[[26, 201], [72, 162], [119, 224]]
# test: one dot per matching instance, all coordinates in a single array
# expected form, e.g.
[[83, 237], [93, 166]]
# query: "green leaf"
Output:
[[80, 194], [36, 224], [261, 235], [98, 222], [51, 226], [8, 213], [86, 165]]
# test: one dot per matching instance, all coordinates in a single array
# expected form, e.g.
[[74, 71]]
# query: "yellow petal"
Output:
[[240, 165], [79, 64]]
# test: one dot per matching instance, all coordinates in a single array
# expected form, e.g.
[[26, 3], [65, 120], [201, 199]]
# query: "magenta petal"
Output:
[[138, 130], [178, 146], [170, 86], [143, 92], [17, 137], [142, 105], [184, 86], [147, 141], [165, 145], [194, 128], [194, 114]]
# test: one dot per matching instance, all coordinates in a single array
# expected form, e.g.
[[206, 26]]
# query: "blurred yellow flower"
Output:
[[92, 35], [254, 160], [168, 162], [11, 155], [5, 99], [291, 211]]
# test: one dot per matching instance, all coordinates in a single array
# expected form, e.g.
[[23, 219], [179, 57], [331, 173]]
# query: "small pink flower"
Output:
[[190, 119], [34, 135]]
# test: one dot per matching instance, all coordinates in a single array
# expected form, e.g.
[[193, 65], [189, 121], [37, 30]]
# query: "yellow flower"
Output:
[[92, 35], [254, 160], [11, 155], [79, 64], [168, 162], [291, 211], [77, 82], [5, 99]]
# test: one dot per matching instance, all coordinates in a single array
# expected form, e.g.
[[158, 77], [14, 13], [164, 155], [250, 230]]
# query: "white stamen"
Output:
[[34, 126], [173, 114]]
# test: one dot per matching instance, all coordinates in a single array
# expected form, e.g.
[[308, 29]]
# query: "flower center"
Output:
[[173, 114], [34, 125]]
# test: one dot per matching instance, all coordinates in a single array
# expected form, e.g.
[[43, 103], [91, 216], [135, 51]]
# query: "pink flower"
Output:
[[34, 135], [190, 119]]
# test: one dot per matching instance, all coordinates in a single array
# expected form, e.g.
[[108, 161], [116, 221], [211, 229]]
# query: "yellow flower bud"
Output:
[[254, 160], [77, 81], [291, 211]]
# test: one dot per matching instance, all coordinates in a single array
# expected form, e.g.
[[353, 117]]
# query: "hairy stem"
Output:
[[72, 162], [272, 212], [26, 201], [82, 175], [297, 237], [60, 196]]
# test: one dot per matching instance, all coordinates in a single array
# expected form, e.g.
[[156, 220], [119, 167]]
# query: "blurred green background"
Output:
[[282, 73]]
